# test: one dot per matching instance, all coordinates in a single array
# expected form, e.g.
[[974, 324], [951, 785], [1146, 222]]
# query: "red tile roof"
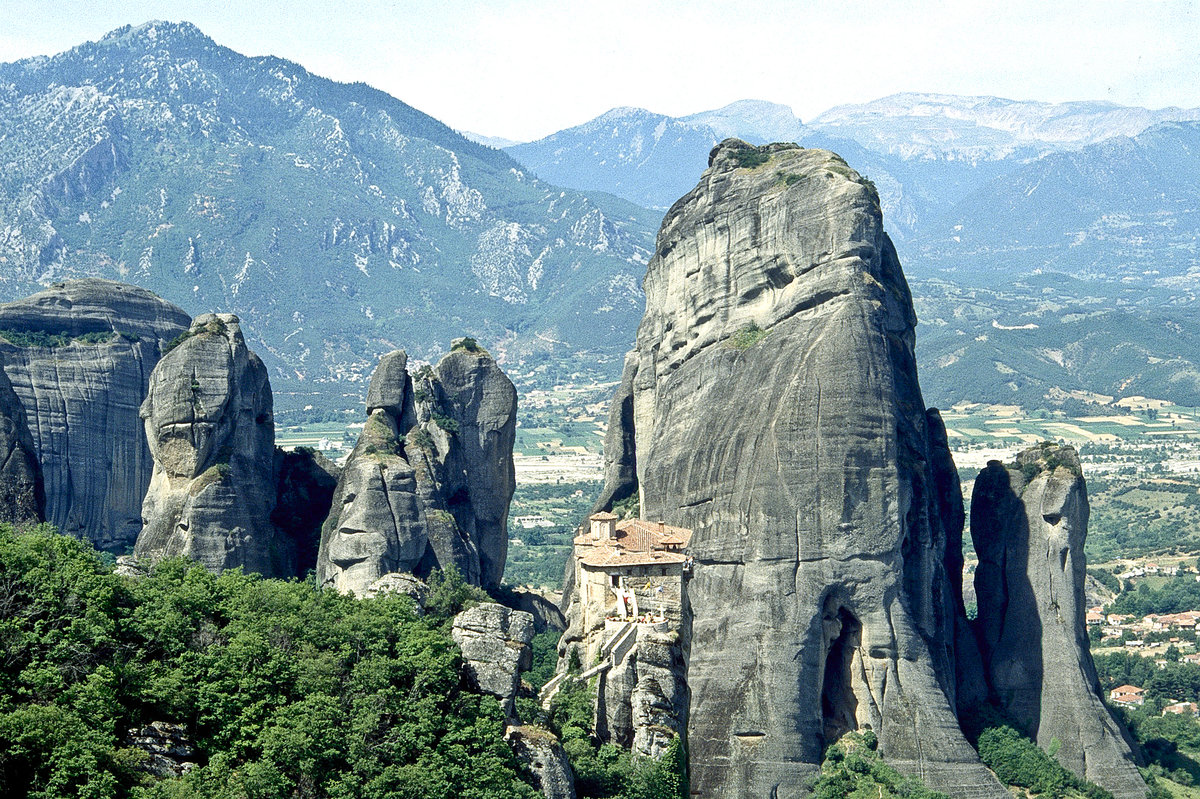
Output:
[[638, 535], [607, 557], [1128, 689], [635, 542]]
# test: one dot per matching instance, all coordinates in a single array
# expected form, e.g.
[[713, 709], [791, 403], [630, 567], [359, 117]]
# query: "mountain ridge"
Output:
[[338, 221]]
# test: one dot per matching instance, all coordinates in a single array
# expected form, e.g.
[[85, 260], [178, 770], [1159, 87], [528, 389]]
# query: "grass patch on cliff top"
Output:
[[40, 339], [747, 156], [468, 344]]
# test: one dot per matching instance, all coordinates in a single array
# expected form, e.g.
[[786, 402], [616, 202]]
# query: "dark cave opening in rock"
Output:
[[839, 705]]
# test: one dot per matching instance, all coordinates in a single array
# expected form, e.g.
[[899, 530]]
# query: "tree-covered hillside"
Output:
[[283, 690]]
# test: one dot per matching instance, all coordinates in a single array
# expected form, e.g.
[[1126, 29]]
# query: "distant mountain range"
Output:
[[336, 220], [1075, 222], [952, 127], [340, 222], [1125, 209], [925, 152], [646, 158], [1051, 335]]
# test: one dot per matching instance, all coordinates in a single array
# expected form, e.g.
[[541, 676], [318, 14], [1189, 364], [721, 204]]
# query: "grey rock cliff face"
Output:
[[429, 482], [774, 409], [208, 419], [22, 495], [81, 393], [480, 477], [1029, 524], [643, 699]]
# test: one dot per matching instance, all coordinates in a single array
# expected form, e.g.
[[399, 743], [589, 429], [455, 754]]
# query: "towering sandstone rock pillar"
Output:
[[79, 356], [208, 420], [1029, 523], [771, 405], [429, 482]]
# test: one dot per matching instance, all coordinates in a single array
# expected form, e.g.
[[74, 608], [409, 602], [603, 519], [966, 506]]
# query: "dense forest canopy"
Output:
[[287, 690]]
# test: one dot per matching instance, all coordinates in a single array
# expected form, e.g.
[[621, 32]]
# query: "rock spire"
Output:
[[1029, 523], [208, 419], [771, 405], [429, 482]]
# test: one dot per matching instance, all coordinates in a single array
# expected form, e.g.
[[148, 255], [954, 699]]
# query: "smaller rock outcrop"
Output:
[[543, 754], [169, 750], [401, 583], [545, 612], [131, 567], [22, 494], [1029, 523], [208, 419], [495, 641], [429, 482]]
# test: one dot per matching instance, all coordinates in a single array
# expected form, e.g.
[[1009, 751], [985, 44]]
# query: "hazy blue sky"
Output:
[[524, 68]]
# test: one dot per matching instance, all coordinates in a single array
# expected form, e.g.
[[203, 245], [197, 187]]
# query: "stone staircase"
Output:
[[614, 650]]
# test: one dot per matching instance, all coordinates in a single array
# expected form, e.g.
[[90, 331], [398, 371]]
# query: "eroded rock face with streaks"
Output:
[[429, 482], [771, 405], [1029, 523], [209, 422], [79, 356]]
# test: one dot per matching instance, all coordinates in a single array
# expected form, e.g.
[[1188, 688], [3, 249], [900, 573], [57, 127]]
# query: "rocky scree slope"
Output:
[[1029, 525], [334, 219], [208, 420], [429, 482], [771, 404], [79, 357]]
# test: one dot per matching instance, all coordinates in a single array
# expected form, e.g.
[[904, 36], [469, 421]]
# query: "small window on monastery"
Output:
[[615, 580], [663, 571]]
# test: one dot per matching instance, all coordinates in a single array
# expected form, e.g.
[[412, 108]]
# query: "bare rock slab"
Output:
[[495, 641], [79, 357]]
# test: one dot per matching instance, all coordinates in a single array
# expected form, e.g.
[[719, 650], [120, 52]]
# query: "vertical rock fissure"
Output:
[[839, 703]]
